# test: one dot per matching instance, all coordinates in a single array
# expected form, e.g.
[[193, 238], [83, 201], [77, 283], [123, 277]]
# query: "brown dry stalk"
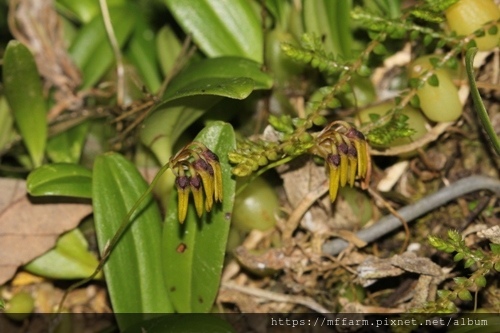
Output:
[[277, 297]]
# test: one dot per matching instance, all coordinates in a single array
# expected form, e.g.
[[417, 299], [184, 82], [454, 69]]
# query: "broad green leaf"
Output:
[[192, 323], [142, 53], [193, 252], [91, 51], [66, 147], [209, 74], [69, 180], [221, 28], [133, 269], [24, 93], [238, 88], [70, 259]]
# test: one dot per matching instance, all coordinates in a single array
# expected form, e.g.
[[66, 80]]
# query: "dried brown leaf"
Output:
[[29, 229]]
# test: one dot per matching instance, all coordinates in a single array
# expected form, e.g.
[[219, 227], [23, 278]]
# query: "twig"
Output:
[[390, 223], [120, 69], [277, 297], [185, 54], [250, 243], [377, 196], [299, 211]]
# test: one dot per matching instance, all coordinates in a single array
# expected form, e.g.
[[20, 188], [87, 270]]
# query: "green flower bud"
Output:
[[305, 137], [319, 120], [262, 160]]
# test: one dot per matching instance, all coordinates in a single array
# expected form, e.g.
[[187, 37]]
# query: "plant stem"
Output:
[[478, 103]]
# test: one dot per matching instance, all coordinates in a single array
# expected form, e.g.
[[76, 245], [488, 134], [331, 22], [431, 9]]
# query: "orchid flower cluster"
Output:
[[346, 155], [197, 171]]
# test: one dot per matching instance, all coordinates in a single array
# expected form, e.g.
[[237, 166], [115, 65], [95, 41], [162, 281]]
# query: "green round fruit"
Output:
[[255, 207], [21, 305], [466, 16], [439, 103]]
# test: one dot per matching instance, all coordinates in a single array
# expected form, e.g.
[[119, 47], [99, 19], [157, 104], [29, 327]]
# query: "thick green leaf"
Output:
[[91, 51], [231, 77], [221, 28], [177, 323], [168, 48], [238, 88], [70, 259], [193, 252], [66, 147], [132, 271], [69, 180], [24, 93], [142, 53]]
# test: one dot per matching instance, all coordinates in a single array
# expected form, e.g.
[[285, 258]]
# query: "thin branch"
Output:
[[304, 205], [185, 54], [377, 196], [277, 297]]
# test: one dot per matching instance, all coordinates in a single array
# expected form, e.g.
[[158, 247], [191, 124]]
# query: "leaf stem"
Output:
[[478, 103]]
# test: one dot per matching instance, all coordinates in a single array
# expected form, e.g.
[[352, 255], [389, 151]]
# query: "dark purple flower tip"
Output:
[[343, 148], [201, 164], [353, 133], [182, 182], [333, 159], [210, 155], [351, 151], [195, 181]]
